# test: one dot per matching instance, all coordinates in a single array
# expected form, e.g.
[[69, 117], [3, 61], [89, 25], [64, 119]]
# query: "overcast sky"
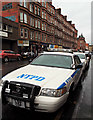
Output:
[[79, 12]]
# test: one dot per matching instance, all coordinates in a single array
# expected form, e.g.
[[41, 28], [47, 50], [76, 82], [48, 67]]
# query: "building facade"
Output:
[[40, 25], [81, 43], [9, 34]]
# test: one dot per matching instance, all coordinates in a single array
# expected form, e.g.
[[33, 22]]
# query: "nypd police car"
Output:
[[43, 85]]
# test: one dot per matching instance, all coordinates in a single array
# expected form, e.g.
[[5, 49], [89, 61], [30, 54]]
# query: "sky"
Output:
[[79, 12]]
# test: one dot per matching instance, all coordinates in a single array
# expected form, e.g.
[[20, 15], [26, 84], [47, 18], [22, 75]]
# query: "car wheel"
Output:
[[18, 58], [6, 59]]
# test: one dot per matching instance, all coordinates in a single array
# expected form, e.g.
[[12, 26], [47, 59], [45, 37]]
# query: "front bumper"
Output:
[[49, 104]]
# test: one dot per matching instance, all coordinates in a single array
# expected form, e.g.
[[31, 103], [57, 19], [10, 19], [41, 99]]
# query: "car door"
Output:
[[78, 71]]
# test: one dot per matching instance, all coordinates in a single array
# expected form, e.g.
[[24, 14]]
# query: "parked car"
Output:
[[45, 84], [84, 59], [27, 54], [7, 55]]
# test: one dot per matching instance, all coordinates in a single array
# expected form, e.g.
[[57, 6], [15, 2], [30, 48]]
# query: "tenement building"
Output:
[[41, 25]]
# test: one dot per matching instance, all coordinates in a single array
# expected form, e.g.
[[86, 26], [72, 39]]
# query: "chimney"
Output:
[[59, 10]]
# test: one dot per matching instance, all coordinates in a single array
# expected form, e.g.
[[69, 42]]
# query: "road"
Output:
[[78, 106]]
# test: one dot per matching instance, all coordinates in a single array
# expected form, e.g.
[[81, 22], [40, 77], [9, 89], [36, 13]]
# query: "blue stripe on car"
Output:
[[61, 86]]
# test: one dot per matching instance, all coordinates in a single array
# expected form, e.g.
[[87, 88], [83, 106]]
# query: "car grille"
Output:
[[21, 89]]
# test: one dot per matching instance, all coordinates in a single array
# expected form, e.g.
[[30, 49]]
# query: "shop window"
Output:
[[26, 33], [5, 27], [21, 17], [10, 28], [0, 26], [25, 18], [22, 32], [32, 35], [32, 7]]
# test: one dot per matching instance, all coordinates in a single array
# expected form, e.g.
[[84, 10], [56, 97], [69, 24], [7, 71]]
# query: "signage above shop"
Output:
[[23, 42], [7, 6], [3, 34]]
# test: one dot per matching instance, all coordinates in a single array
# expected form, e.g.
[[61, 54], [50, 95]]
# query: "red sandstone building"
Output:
[[81, 43], [40, 25]]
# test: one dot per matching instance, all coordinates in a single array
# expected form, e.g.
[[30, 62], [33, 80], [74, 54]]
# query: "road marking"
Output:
[[58, 116]]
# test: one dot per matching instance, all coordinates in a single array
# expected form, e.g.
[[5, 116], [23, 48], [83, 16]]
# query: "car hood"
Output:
[[48, 77]]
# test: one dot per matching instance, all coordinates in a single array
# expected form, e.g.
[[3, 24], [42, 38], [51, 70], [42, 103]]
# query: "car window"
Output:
[[12, 52], [0, 51], [82, 56], [6, 51], [77, 60], [53, 61]]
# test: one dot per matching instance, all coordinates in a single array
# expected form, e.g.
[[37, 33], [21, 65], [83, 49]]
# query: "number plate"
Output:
[[18, 103]]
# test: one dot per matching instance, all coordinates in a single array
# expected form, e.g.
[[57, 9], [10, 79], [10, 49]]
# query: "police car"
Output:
[[43, 85], [84, 59]]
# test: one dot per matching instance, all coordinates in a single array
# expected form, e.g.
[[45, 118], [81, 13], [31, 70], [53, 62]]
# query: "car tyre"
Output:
[[18, 58], [6, 59]]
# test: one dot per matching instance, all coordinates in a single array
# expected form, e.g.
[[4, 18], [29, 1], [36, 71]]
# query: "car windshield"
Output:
[[82, 56], [62, 61]]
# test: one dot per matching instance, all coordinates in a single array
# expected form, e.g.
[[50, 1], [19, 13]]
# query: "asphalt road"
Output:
[[78, 106]]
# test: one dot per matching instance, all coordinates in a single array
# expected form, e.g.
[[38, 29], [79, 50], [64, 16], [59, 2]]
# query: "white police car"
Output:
[[44, 84], [84, 59]]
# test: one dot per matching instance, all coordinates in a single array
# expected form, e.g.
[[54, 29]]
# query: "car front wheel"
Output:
[[6, 59]]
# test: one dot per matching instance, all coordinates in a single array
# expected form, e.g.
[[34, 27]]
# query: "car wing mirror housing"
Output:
[[78, 66]]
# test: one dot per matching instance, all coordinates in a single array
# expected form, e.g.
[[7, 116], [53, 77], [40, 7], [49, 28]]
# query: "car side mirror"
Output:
[[78, 66]]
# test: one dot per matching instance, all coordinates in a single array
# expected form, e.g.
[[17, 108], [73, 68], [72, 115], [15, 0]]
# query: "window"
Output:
[[21, 2], [45, 38], [45, 15], [25, 18], [35, 23], [36, 36], [31, 7], [5, 27], [32, 21], [10, 28], [42, 37], [22, 34], [39, 36], [32, 35], [0, 26], [45, 27], [39, 11], [62, 61], [77, 60], [26, 33], [35, 9], [42, 26], [42, 14], [21, 17], [38, 24], [45, 3], [25, 3]]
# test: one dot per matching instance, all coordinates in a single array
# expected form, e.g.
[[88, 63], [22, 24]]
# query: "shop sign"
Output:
[[23, 43], [7, 6], [3, 34]]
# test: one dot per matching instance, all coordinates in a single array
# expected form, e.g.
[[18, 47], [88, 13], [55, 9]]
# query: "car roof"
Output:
[[76, 53], [58, 53]]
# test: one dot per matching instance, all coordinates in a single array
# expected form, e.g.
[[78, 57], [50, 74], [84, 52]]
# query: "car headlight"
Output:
[[1, 82], [53, 92]]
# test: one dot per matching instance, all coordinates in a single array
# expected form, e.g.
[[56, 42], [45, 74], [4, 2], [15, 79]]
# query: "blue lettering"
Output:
[[40, 79]]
